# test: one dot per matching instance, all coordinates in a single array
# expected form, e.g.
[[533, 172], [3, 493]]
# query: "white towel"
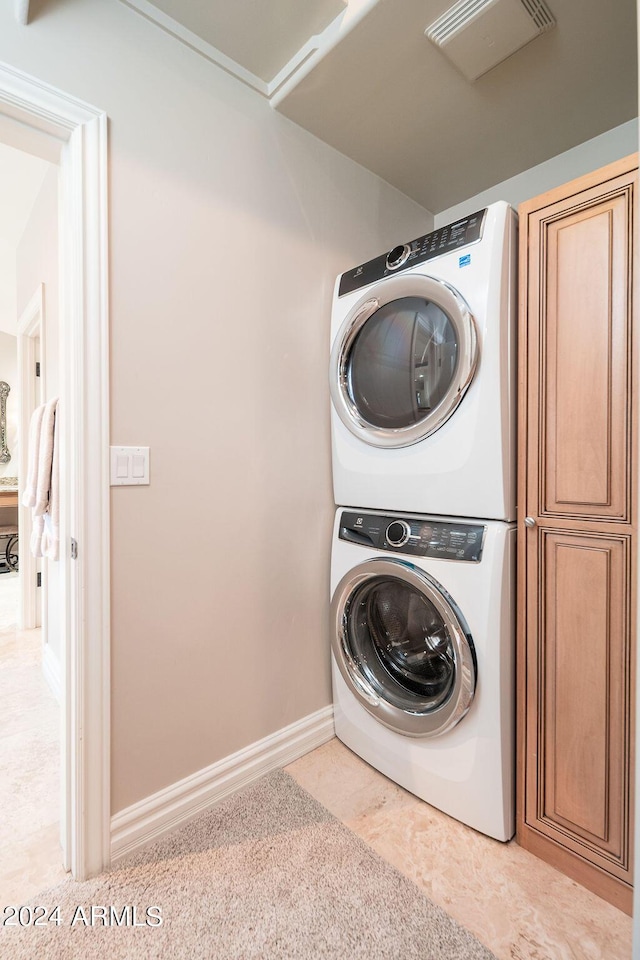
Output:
[[51, 534], [37, 529], [41, 491], [29, 493], [45, 458]]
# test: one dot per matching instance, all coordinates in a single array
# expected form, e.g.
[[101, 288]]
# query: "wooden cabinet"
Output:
[[577, 552]]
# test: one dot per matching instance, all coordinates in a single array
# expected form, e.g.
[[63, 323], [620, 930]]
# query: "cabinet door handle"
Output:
[[529, 522]]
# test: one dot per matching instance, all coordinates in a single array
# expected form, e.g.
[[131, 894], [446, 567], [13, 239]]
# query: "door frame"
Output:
[[38, 118], [31, 326]]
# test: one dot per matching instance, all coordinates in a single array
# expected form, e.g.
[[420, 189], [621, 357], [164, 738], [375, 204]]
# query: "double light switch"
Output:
[[129, 466]]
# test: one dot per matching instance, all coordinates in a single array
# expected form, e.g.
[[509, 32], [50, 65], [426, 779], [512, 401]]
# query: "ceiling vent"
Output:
[[476, 35]]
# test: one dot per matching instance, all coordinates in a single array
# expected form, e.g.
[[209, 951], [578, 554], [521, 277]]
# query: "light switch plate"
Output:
[[129, 466]]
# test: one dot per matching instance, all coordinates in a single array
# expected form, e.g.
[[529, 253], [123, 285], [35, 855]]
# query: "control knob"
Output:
[[398, 533], [398, 256]]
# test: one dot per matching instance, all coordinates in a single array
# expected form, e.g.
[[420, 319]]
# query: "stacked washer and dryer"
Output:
[[423, 381]]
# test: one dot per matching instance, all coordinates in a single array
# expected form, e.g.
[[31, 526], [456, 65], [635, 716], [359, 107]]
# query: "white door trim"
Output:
[[30, 326], [50, 121]]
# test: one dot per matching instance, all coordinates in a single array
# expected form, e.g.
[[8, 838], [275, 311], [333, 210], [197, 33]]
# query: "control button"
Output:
[[137, 466], [122, 466], [398, 256], [398, 533]]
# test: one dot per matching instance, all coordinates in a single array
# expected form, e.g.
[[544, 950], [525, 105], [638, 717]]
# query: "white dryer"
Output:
[[423, 658], [423, 373]]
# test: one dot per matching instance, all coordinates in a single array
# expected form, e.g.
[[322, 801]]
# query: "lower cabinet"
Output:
[[578, 529]]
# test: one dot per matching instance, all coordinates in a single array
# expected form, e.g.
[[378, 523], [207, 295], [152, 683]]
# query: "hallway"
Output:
[[29, 759]]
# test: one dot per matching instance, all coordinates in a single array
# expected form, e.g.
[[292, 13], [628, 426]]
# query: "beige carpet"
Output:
[[267, 874]]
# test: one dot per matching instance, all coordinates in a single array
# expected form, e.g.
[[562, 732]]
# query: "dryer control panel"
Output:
[[444, 240], [414, 536]]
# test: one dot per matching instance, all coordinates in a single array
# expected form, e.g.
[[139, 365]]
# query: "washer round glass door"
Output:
[[403, 360], [403, 647]]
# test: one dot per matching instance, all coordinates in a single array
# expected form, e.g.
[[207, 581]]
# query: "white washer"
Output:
[[423, 373], [423, 658]]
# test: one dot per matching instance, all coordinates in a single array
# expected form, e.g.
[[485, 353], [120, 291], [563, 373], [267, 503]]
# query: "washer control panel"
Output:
[[414, 536], [434, 244]]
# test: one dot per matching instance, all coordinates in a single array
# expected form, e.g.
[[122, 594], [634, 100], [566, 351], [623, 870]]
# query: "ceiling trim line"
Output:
[[171, 26], [298, 67], [316, 49]]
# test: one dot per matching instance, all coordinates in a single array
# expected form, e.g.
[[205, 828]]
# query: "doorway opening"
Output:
[[30, 602], [61, 130]]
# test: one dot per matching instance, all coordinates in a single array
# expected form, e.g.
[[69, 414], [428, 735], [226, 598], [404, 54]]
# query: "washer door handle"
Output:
[[365, 693]]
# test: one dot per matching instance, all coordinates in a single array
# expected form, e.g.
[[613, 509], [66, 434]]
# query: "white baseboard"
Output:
[[173, 806], [51, 671]]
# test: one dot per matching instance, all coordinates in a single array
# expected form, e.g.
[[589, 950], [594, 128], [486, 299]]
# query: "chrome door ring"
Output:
[[447, 715], [444, 296]]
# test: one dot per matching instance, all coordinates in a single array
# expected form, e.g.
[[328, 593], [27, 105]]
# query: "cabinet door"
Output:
[[578, 729], [579, 360], [577, 466]]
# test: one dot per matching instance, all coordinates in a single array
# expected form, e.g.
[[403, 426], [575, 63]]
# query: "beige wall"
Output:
[[227, 226], [612, 145], [21, 177]]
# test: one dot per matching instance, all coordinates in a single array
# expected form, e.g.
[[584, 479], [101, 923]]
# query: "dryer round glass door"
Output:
[[402, 361], [403, 647]]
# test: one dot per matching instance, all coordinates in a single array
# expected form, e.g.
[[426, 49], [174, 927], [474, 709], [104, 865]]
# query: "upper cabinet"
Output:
[[577, 493]]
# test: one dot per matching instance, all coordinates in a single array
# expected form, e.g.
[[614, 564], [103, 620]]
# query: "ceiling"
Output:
[[368, 82], [263, 37]]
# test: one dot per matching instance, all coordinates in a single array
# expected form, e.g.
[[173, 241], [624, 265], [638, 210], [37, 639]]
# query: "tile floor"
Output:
[[518, 906]]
